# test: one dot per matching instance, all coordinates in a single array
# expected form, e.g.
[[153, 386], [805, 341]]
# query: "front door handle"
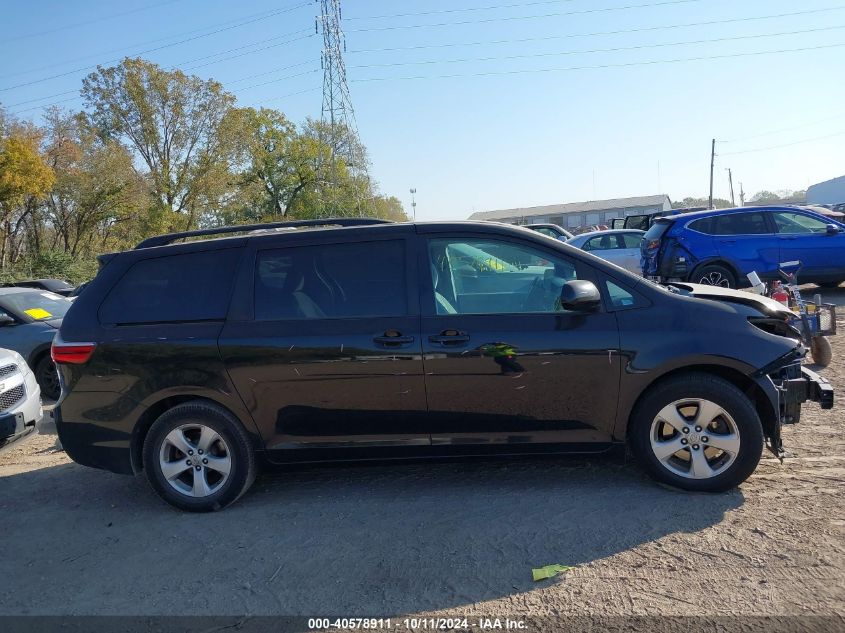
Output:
[[449, 337], [392, 338]]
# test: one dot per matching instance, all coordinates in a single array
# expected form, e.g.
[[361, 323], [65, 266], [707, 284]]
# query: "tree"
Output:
[[173, 122], [686, 203], [96, 188], [24, 178]]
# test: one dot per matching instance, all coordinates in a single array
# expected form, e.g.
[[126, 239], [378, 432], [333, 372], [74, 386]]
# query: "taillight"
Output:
[[71, 353]]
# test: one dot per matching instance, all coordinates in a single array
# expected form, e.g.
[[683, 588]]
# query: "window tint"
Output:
[[798, 223], [185, 287], [704, 225], [741, 224], [331, 281], [478, 276]]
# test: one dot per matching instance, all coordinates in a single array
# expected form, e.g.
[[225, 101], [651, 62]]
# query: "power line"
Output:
[[601, 66], [525, 17], [764, 149], [180, 64], [519, 5], [598, 50], [597, 33], [86, 23], [785, 129], [151, 50], [144, 43]]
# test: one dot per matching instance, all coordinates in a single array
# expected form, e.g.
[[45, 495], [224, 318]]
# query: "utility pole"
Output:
[[731, 181], [337, 116], [414, 202], [712, 162], [741, 196]]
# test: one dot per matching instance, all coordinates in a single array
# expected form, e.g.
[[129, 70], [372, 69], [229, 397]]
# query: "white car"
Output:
[[618, 246], [20, 397]]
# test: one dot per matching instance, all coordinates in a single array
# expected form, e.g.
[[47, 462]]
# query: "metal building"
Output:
[[577, 215]]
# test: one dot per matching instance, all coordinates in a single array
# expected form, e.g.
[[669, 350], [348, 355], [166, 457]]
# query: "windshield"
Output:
[[36, 305]]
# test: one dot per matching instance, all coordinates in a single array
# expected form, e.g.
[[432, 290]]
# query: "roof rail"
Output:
[[169, 238]]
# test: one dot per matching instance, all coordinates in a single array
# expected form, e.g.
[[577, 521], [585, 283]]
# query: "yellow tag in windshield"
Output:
[[38, 313]]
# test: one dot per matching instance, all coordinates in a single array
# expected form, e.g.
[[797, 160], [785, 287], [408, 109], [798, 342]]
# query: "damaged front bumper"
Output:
[[789, 384]]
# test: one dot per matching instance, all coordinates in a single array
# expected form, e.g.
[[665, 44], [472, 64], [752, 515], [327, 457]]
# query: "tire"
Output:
[[47, 377], [736, 426], [714, 275], [212, 436], [821, 351]]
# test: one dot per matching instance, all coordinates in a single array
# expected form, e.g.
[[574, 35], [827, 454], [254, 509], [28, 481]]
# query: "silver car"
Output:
[[618, 246]]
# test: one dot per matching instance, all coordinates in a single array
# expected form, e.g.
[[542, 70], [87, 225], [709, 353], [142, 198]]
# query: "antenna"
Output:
[[338, 128]]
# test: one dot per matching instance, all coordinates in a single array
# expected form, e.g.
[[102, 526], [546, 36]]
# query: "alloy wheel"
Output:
[[694, 438], [715, 278], [195, 460]]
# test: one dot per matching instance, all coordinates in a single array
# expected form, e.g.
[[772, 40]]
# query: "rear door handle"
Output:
[[393, 339], [449, 337]]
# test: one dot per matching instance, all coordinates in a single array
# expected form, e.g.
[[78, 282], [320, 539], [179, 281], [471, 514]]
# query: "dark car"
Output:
[[198, 362], [29, 320], [721, 247], [552, 230], [56, 286]]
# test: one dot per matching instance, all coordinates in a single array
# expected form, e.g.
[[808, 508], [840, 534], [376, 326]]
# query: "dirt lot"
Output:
[[448, 538]]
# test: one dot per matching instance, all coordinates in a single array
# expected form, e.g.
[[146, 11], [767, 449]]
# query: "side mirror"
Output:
[[832, 229], [5, 320], [580, 295]]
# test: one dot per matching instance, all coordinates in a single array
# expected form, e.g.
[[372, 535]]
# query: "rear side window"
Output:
[[741, 224], [331, 281], [631, 240], [175, 288]]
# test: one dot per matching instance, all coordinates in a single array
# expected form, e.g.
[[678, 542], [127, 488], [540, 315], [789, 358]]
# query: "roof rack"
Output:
[[169, 238]]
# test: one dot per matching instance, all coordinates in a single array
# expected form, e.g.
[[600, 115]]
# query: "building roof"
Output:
[[571, 207]]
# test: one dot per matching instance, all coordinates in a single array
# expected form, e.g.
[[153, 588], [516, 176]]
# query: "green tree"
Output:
[[173, 122], [718, 203]]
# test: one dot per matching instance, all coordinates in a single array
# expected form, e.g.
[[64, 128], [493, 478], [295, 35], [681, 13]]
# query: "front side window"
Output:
[[330, 281], [480, 276], [176, 288], [797, 223]]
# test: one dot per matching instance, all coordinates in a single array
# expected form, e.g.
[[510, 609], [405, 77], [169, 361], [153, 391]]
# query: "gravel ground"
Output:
[[444, 538]]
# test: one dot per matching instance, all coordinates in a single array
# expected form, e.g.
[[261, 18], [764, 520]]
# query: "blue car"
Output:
[[721, 247]]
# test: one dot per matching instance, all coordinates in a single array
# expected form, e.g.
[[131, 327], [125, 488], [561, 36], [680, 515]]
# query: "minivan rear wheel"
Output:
[[197, 457], [697, 432]]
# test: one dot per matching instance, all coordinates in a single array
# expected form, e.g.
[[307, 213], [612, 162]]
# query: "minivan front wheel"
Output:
[[697, 432], [198, 458]]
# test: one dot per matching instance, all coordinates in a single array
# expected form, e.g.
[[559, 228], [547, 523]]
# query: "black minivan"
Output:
[[199, 357]]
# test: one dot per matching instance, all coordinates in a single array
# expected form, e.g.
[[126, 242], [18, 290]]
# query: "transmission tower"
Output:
[[338, 117]]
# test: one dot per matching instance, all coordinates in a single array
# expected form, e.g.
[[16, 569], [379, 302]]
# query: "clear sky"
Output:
[[486, 104]]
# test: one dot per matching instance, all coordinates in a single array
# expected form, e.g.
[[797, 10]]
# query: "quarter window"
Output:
[[331, 281], [479, 276], [794, 223], [175, 288]]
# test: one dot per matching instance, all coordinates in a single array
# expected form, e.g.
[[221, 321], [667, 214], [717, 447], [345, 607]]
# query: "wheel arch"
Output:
[[154, 411], [37, 354], [761, 402], [716, 261]]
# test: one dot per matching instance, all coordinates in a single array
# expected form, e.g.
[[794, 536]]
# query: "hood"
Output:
[[763, 304]]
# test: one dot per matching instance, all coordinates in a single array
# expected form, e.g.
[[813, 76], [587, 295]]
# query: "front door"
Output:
[[504, 363], [331, 356], [806, 239]]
